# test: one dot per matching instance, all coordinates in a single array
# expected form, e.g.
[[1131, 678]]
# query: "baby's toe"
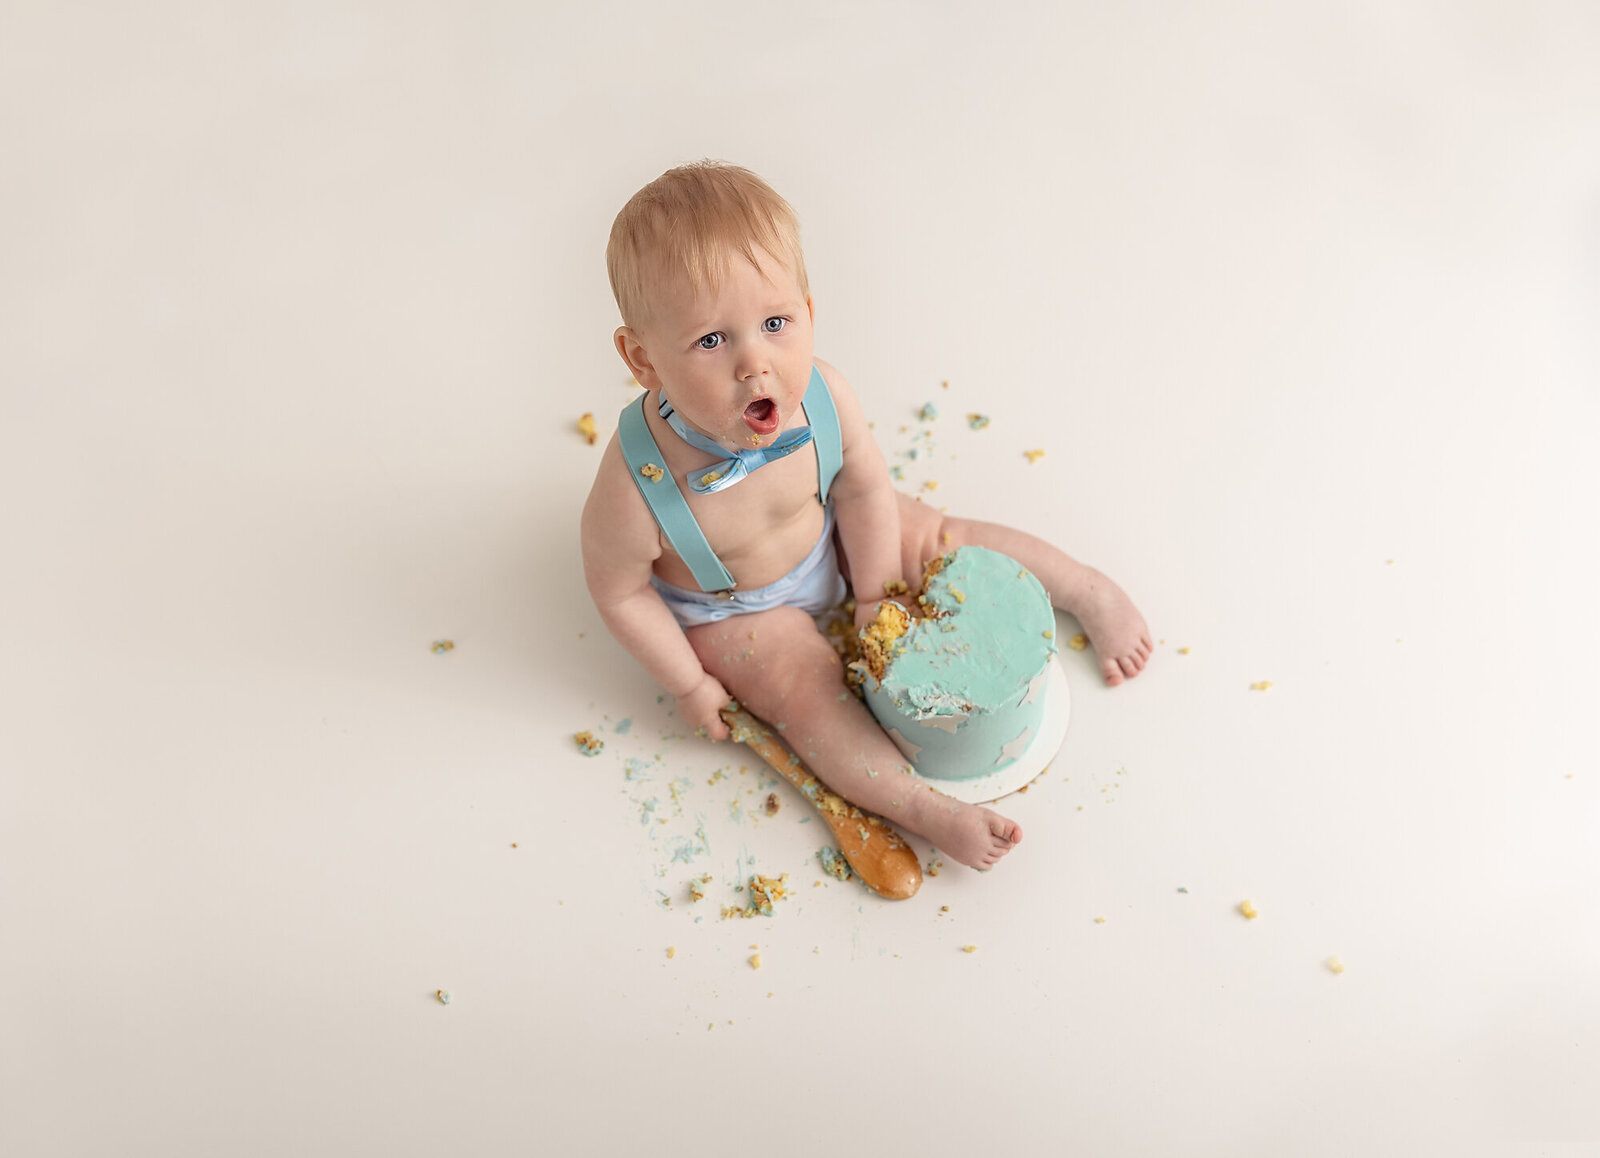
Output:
[[1111, 671]]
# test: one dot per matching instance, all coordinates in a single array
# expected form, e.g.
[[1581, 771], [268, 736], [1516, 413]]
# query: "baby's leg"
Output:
[[1110, 620], [777, 664]]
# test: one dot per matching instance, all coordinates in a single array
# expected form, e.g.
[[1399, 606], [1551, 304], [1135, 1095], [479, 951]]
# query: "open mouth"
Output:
[[761, 416]]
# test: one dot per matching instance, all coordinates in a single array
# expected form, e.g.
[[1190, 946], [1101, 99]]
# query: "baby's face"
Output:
[[735, 364]]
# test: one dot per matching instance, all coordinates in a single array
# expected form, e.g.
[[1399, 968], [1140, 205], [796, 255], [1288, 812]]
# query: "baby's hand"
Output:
[[699, 707]]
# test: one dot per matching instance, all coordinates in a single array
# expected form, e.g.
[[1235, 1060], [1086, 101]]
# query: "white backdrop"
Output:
[[298, 307]]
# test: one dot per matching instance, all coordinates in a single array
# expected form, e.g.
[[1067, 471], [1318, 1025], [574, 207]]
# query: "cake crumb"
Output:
[[755, 960], [1183, 651], [833, 863], [933, 867], [1033, 455], [443, 995], [440, 646], [1249, 910], [1261, 686], [977, 421], [763, 892], [586, 428], [1078, 642], [969, 948], [772, 804], [652, 472], [1099, 920], [945, 384], [1335, 965], [588, 743], [1049, 635], [672, 951], [928, 412]]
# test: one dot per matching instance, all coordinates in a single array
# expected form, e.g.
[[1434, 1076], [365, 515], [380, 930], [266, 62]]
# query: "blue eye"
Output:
[[714, 339], [781, 323]]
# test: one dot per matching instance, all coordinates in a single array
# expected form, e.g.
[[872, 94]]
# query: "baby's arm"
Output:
[[865, 505], [620, 541]]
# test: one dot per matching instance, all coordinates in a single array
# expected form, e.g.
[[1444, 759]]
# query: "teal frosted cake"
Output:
[[961, 690]]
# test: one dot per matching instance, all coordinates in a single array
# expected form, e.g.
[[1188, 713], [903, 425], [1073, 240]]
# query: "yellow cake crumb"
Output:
[[1033, 455], [888, 625], [945, 384], [1099, 920], [969, 948], [710, 477], [1249, 910], [586, 428], [960, 596], [944, 538], [1049, 635], [443, 996], [672, 951], [588, 743], [755, 960], [895, 586], [773, 804], [652, 472], [944, 908], [1335, 965], [1078, 642], [1262, 686], [930, 484], [1183, 651]]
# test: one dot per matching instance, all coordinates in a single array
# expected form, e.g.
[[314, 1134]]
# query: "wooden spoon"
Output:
[[877, 853]]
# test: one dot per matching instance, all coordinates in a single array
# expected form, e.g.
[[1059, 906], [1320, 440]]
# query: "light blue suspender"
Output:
[[671, 510]]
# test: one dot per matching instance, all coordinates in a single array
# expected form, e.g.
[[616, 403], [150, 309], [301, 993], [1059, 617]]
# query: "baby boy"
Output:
[[782, 494]]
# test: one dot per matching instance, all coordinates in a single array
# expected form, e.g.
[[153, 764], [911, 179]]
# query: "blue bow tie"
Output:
[[735, 467]]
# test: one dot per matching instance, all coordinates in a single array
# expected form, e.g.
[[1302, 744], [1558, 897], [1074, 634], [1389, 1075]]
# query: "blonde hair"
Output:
[[690, 221]]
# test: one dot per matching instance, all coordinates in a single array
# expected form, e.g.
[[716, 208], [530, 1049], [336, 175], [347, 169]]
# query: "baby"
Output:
[[713, 584]]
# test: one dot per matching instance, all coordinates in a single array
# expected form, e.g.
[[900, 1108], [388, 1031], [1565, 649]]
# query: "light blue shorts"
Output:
[[815, 586]]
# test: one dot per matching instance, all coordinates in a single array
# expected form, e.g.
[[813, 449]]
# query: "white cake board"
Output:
[[1042, 749]]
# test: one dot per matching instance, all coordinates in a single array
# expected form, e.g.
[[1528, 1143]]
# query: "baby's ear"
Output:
[[634, 356]]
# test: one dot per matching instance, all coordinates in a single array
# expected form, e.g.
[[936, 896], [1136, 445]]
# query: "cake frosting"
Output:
[[961, 689]]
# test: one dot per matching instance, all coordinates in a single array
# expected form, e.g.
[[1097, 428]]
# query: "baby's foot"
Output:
[[1115, 628], [975, 836]]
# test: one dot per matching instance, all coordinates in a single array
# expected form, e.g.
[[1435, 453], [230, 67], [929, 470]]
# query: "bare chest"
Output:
[[761, 527]]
